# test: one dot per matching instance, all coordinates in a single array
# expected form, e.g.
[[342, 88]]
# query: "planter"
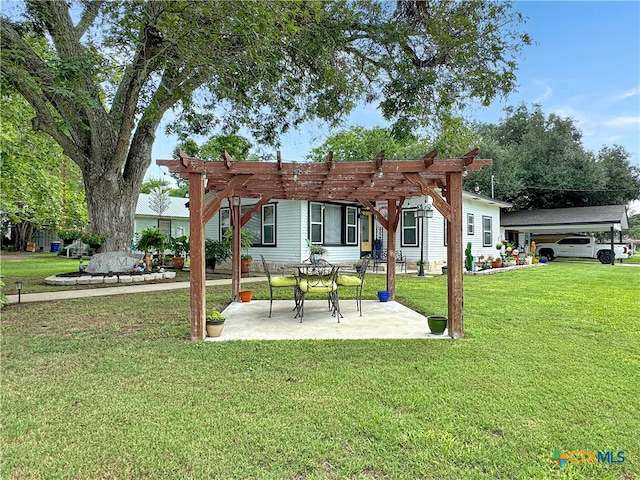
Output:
[[214, 328], [177, 262], [496, 264], [245, 266], [246, 295], [383, 295], [437, 324]]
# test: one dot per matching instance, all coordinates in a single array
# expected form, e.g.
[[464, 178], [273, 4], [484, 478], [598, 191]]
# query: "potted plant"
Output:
[[152, 239], [180, 247], [468, 258], [495, 262], [246, 237], [437, 324], [68, 235], [316, 251], [215, 323], [93, 239], [358, 266], [216, 251]]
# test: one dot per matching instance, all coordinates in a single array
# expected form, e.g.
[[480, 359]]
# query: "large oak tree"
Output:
[[112, 70]]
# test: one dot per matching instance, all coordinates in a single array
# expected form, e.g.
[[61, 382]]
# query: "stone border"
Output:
[[115, 278]]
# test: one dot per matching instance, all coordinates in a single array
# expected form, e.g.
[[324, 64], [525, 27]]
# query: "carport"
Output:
[[569, 221]]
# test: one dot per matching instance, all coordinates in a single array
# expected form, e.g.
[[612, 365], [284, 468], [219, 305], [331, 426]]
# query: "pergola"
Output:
[[365, 181]]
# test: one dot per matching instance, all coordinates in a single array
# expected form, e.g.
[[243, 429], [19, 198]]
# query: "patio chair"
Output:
[[358, 282], [277, 282], [315, 278]]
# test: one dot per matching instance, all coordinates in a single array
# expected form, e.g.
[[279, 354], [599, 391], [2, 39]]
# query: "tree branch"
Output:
[[88, 17]]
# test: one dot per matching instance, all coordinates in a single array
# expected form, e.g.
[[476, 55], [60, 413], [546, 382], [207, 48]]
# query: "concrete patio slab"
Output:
[[250, 321]]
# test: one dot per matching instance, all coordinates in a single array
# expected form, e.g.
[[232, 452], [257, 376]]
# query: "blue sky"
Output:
[[585, 64]]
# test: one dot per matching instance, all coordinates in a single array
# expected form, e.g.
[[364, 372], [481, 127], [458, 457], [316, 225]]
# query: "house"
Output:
[[347, 230], [174, 220]]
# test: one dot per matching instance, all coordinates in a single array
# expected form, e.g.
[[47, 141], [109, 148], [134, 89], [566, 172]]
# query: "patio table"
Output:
[[318, 277]]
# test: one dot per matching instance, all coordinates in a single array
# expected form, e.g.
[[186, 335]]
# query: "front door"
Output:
[[366, 242]]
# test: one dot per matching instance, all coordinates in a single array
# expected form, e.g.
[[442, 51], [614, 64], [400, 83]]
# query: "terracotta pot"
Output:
[[245, 265], [496, 264], [177, 262], [246, 295]]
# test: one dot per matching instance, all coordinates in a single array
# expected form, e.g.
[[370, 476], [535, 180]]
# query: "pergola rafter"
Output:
[[365, 181]]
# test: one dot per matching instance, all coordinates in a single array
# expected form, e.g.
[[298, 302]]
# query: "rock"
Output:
[[116, 262]]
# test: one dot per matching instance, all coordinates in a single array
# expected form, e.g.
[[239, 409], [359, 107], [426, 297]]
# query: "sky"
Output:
[[584, 64]]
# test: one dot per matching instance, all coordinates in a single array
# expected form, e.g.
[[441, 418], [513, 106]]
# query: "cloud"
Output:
[[628, 94], [622, 122], [547, 94]]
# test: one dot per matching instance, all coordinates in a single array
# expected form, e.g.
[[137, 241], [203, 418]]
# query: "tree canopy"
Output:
[[539, 161], [40, 187], [101, 75]]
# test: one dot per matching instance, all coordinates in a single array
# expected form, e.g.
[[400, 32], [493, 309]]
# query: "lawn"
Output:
[[111, 387], [33, 268]]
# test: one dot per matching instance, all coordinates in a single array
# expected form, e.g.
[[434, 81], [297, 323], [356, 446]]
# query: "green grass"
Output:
[[33, 268], [111, 387]]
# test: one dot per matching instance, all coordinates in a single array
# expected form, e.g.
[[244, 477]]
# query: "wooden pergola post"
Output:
[[197, 293], [235, 248], [454, 256]]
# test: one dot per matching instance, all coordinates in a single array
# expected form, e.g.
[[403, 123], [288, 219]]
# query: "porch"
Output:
[[250, 321]]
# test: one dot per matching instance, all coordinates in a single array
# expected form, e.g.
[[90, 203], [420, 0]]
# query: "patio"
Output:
[[250, 321]]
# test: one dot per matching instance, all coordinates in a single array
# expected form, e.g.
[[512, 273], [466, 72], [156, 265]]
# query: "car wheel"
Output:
[[605, 258]]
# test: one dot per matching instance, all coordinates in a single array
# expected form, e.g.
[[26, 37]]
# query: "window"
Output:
[[268, 224], [409, 229], [164, 226], [351, 225], [486, 231], [469, 223], [262, 226], [225, 221], [446, 231], [575, 241], [317, 226], [333, 224]]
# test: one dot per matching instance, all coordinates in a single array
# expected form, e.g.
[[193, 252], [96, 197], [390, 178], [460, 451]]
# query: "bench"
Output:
[[382, 260]]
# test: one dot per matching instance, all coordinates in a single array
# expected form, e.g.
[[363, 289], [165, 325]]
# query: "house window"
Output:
[[262, 226], [351, 225], [333, 224], [446, 232], [486, 231], [409, 229], [164, 226], [268, 225], [469, 223], [225, 221], [317, 226]]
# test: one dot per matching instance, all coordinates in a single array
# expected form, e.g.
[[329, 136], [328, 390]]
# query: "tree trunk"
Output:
[[111, 210]]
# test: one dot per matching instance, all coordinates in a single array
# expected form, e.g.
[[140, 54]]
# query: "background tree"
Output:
[[112, 70], [40, 187], [634, 226], [539, 162]]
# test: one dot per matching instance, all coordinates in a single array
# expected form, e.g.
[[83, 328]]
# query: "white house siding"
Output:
[[435, 250], [292, 231]]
